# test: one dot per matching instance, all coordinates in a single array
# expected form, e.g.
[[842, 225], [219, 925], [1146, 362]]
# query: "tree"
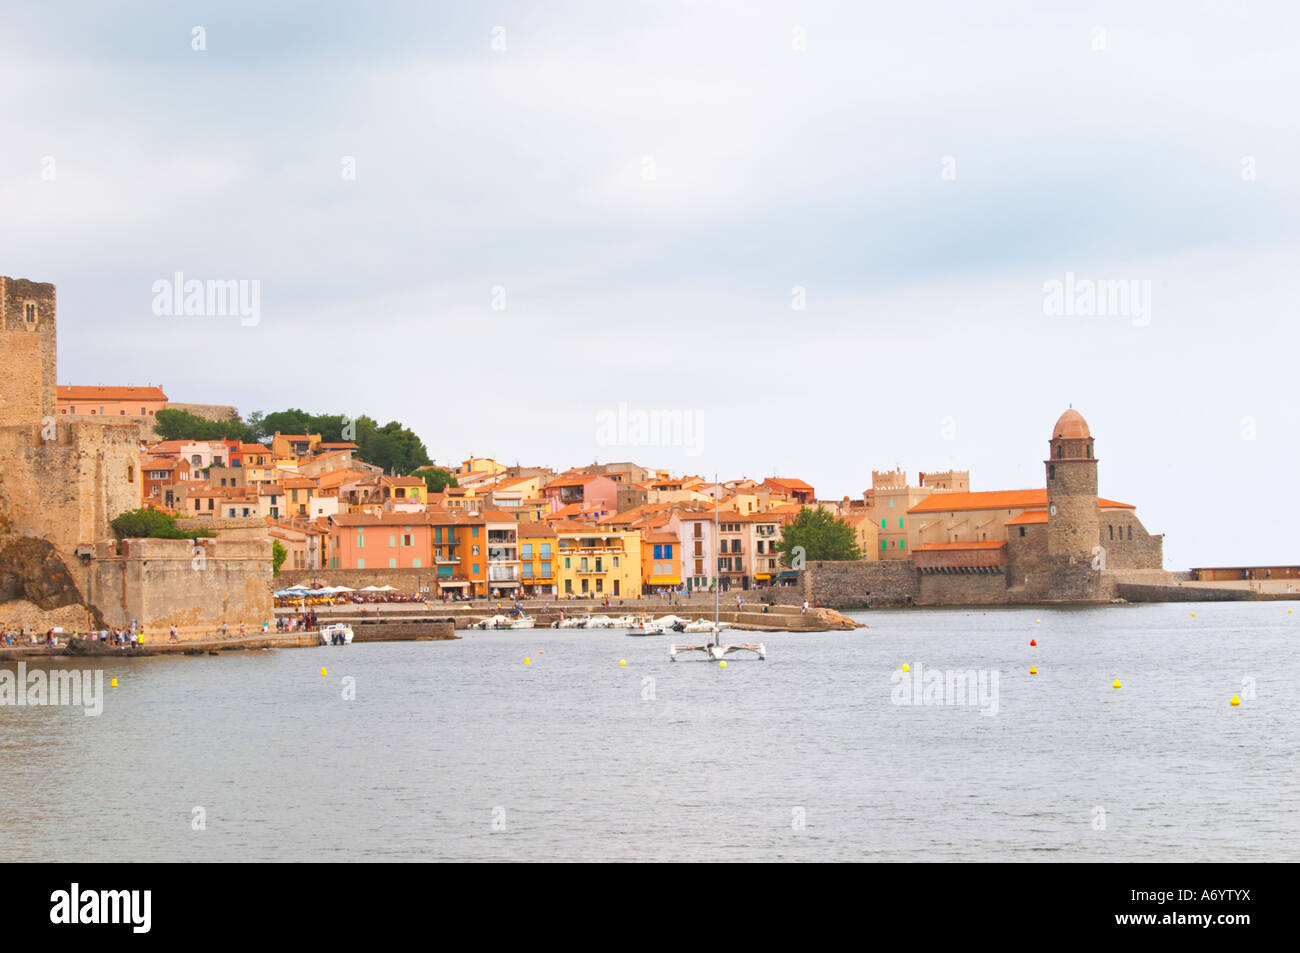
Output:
[[820, 535], [278, 555], [436, 478], [172, 424], [152, 524]]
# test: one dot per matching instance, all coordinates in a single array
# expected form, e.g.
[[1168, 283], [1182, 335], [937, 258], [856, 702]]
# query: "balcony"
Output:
[[503, 573], [445, 559]]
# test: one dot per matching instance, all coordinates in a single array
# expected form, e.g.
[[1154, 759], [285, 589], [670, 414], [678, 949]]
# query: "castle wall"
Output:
[[67, 481], [191, 585], [963, 589]]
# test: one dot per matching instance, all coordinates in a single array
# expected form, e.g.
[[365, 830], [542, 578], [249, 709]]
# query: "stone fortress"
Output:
[[1015, 547], [63, 480]]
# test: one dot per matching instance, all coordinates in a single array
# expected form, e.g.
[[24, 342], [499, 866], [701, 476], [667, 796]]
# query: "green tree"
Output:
[[151, 524], [278, 556], [172, 424], [821, 536], [436, 478]]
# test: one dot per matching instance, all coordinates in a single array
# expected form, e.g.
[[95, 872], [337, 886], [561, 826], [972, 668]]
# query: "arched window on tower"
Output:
[[1051, 471], [1058, 451]]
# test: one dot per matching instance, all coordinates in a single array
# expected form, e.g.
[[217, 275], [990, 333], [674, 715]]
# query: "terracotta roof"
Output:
[[787, 484], [981, 544], [1029, 516], [995, 500], [571, 480], [78, 392], [532, 530]]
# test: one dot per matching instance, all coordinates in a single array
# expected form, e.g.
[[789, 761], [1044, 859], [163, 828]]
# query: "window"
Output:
[[474, 531], [406, 539], [476, 569], [1112, 530], [583, 565], [1130, 532], [29, 312], [902, 544], [568, 586], [546, 570], [668, 550], [361, 564], [130, 474], [475, 551], [1051, 471], [546, 550], [659, 551], [1022, 531], [884, 523], [884, 544], [568, 564], [891, 503], [615, 562], [416, 563], [392, 563], [361, 541], [526, 551]]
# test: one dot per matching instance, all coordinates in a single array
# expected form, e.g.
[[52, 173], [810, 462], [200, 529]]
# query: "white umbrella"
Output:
[[343, 589], [371, 589], [386, 589]]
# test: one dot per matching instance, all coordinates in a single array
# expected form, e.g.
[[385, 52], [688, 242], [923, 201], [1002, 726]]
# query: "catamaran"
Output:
[[714, 649]]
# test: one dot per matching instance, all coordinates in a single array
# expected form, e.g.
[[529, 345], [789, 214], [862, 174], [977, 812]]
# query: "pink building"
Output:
[[598, 495]]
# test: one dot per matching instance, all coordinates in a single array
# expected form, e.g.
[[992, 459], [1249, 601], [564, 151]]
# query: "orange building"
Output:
[[74, 400]]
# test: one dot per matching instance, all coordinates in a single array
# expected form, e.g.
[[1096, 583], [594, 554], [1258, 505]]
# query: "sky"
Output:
[[824, 234]]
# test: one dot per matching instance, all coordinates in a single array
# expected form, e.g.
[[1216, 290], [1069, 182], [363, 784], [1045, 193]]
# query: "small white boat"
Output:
[[572, 622], [493, 622], [704, 625], [336, 633], [600, 622], [519, 622], [645, 625]]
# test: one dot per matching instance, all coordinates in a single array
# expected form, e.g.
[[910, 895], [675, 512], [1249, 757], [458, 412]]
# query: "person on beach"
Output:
[[223, 630], [805, 607], [171, 634]]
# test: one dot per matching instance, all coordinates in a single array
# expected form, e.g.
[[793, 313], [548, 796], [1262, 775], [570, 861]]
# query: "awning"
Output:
[[448, 583], [790, 574], [762, 575]]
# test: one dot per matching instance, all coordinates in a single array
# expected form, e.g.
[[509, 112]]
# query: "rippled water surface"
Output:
[[460, 751]]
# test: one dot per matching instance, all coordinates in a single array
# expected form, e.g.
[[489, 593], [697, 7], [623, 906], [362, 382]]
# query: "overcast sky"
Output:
[[618, 207]]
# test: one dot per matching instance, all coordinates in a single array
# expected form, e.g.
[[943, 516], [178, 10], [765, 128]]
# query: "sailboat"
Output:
[[714, 649]]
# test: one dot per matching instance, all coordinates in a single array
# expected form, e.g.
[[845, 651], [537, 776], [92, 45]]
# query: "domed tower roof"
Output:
[[1071, 426]]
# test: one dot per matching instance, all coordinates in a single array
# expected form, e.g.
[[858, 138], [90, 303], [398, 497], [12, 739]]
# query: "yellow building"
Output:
[[538, 558], [597, 562]]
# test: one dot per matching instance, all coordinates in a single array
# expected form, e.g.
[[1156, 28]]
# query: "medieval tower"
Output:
[[1073, 517], [27, 325]]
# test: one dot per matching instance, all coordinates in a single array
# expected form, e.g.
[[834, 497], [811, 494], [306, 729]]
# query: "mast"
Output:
[[717, 562]]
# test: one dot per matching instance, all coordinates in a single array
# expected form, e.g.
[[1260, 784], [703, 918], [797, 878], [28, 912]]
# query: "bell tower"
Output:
[[1073, 517]]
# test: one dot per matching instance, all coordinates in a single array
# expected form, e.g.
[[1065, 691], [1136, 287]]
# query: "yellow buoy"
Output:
[[906, 667], [112, 684], [622, 661], [1235, 701], [527, 660], [722, 663], [1193, 615], [1038, 621], [1033, 671], [1115, 684], [322, 673]]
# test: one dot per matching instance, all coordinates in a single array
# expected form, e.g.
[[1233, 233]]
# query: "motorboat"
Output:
[[336, 633]]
